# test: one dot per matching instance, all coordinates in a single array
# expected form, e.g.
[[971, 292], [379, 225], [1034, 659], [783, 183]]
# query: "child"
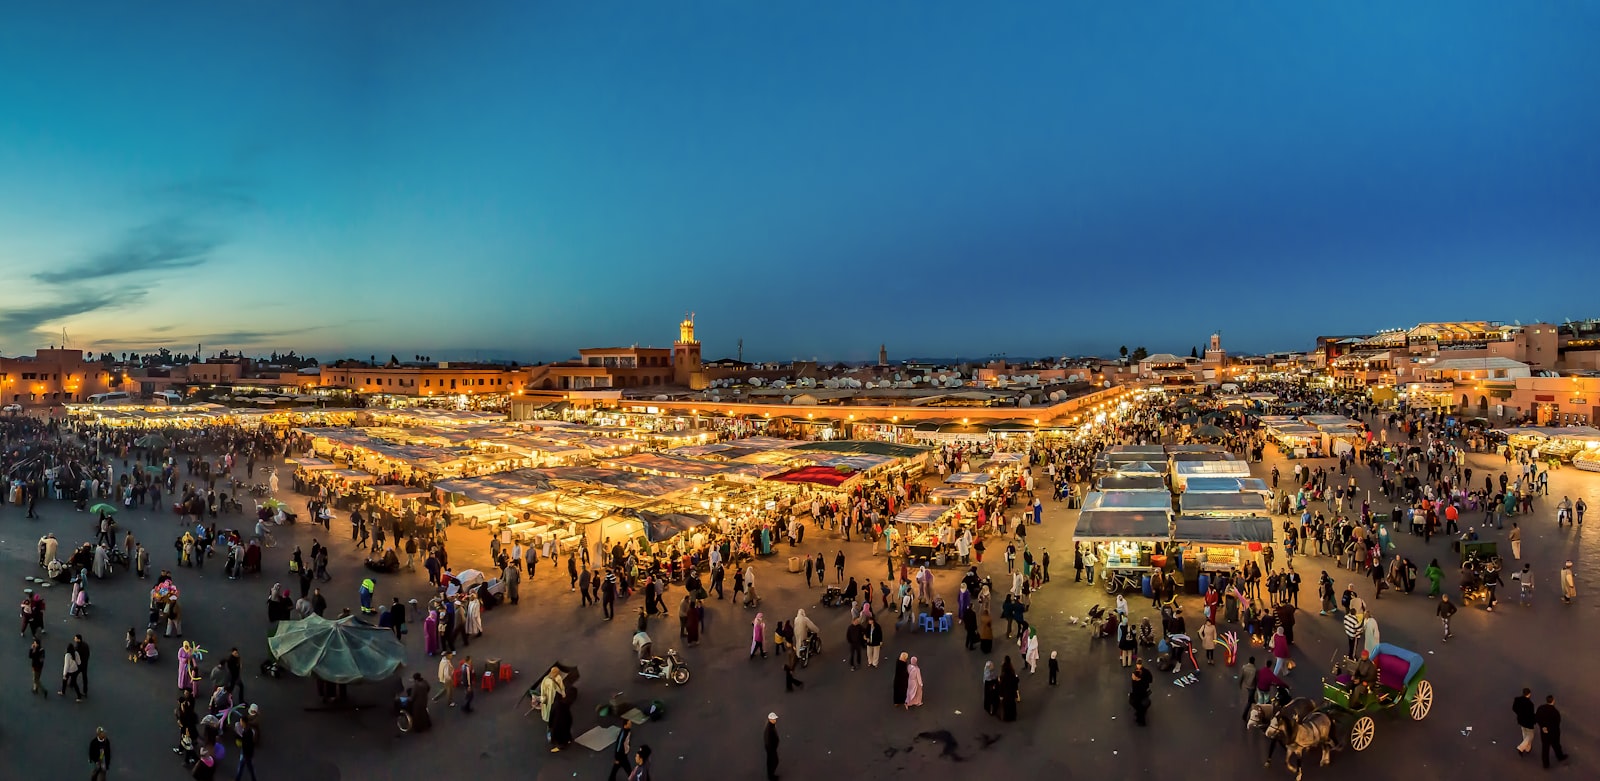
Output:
[[1055, 668]]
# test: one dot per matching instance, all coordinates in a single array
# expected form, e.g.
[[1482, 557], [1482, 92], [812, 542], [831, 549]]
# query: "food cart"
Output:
[[1128, 545], [924, 522], [1207, 546]]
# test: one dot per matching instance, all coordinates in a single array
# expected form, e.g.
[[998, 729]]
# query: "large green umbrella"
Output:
[[1209, 432], [151, 441], [348, 650], [273, 504], [103, 508]]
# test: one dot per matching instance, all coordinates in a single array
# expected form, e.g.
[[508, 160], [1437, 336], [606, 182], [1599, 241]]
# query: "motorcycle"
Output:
[[670, 668], [811, 647]]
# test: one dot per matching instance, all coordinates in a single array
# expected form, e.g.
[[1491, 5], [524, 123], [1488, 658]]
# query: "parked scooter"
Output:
[[670, 668]]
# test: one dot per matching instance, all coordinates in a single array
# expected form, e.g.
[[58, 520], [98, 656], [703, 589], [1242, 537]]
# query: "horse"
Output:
[[1300, 727]]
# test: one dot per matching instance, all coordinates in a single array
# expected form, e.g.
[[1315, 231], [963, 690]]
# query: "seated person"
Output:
[[1363, 677], [388, 561], [937, 611]]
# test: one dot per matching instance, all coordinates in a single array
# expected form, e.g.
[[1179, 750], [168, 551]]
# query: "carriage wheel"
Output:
[[1361, 733], [1422, 701]]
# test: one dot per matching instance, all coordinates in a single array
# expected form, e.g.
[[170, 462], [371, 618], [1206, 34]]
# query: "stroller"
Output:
[[832, 597]]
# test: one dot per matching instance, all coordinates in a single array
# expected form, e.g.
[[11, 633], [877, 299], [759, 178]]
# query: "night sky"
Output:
[[520, 179]]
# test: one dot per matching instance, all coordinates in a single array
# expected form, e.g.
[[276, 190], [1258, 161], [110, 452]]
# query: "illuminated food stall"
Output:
[[924, 530], [1124, 542], [1187, 465], [1212, 545], [1227, 485], [1147, 502]]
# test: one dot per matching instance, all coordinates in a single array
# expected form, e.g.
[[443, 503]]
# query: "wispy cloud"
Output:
[[161, 337], [33, 319], [157, 246], [209, 193]]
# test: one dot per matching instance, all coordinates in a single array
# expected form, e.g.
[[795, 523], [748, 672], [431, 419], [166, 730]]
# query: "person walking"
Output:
[[622, 752], [1522, 706], [1516, 541], [1247, 682], [769, 742], [69, 673], [641, 765], [1445, 610], [100, 755], [874, 640], [1569, 585], [1549, 721], [447, 678], [1139, 692], [36, 662], [247, 751]]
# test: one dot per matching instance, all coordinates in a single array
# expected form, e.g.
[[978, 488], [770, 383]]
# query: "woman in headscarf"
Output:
[[1009, 690], [1127, 643], [902, 678], [1030, 653], [185, 668], [693, 622], [985, 628], [913, 684], [991, 689], [552, 692], [758, 631], [430, 631]]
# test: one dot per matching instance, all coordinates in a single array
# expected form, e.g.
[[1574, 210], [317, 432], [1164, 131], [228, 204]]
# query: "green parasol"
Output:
[[348, 650], [273, 504], [151, 441], [152, 469], [103, 508]]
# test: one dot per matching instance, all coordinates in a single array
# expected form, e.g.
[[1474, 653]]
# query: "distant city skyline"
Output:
[[519, 180]]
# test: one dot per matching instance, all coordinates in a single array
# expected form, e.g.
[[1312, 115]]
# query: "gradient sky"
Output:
[[526, 178]]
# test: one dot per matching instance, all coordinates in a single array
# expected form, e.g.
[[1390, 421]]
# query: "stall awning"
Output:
[[861, 447], [816, 475], [1225, 485], [1227, 531], [1007, 458], [1129, 501], [1223, 504], [968, 478], [922, 513], [1121, 525], [1131, 483]]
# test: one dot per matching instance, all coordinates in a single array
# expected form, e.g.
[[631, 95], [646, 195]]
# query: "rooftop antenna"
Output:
[[741, 351], [64, 340]]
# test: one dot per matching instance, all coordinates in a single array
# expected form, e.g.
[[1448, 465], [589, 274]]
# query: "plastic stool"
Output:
[[944, 622], [928, 624], [505, 672], [488, 681]]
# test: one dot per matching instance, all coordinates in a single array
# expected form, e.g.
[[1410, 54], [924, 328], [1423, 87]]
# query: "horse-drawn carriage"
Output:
[[1398, 678]]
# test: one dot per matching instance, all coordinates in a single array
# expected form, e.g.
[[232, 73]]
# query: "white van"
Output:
[[169, 398], [114, 397]]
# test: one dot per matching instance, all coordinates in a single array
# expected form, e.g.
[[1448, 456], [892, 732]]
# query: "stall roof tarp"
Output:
[[1120, 525], [1007, 458], [767, 443], [633, 482], [1553, 432], [1131, 483], [861, 463], [1174, 449], [660, 527], [1128, 501], [502, 488], [816, 475], [1234, 503], [1230, 531], [1136, 450], [1142, 468], [862, 447], [951, 493], [698, 451], [968, 478], [313, 463], [1225, 485], [1187, 469], [668, 465], [922, 513], [1181, 457]]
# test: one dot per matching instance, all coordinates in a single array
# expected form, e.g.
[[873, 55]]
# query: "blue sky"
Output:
[[522, 179]]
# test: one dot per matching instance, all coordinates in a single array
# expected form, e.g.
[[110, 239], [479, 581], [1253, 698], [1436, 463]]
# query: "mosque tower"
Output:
[[687, 369]]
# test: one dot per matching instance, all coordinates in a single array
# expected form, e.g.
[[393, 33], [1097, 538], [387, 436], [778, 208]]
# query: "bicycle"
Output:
[[1121, 581]]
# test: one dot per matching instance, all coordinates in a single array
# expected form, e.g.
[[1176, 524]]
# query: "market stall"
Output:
[[924, 524], [1146, 502], [1129, 544], [1219, 545]]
